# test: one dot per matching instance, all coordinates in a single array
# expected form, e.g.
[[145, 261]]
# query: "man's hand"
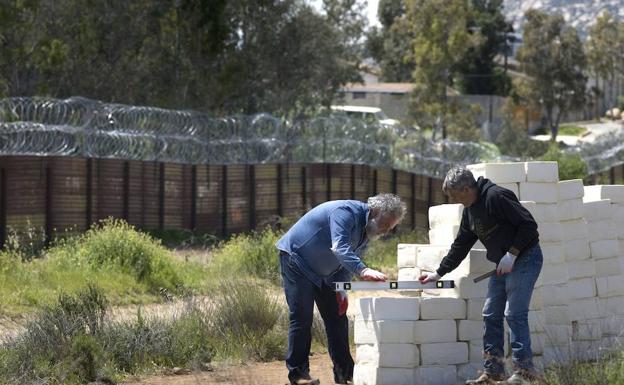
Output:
[[343, 302], [369, 274], [429, 277], [506, 264]]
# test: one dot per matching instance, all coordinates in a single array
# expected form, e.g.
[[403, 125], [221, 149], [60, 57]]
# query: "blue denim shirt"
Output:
[[328, 241]]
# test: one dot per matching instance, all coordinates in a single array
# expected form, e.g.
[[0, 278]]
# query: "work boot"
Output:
[[486, 379], [305, 380], [520, 377]]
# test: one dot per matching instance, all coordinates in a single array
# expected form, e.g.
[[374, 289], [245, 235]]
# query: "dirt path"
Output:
[[271, 373]]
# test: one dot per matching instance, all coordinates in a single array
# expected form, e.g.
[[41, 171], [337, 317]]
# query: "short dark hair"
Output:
[[457, 178]]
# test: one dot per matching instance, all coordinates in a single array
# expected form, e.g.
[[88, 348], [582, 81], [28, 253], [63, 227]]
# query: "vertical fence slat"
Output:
[[161, 196], [3, 207]]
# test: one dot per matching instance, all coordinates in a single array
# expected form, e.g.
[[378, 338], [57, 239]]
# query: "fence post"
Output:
[[394, 181], [89, 192], [3, 207], [328, 180], [161, 196], [194, 197], [304, 188], [48, 206], [413, 213], [126, 191], [352, 181], [375, 181], [280, 191], [252, 196], [224, 201], [612, 175]]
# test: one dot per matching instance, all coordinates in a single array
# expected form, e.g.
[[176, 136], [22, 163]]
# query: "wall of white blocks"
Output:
[[577, 308]]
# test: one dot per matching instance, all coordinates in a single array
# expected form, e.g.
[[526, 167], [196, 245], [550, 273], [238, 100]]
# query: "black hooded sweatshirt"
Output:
[[498, 220]]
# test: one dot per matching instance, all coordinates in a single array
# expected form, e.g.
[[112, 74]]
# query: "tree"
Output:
[[441, 41], [552, 57], [604, 49], [478, 72]]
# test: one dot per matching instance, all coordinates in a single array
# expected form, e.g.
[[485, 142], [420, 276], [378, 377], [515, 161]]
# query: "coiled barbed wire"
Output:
[[82, 127]]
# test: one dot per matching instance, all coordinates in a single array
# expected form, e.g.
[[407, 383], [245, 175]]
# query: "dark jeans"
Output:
[[301, 294], [509, 296]]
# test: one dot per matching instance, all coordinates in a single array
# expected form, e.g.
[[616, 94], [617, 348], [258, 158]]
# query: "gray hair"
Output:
[[388, 204], [457, 178]]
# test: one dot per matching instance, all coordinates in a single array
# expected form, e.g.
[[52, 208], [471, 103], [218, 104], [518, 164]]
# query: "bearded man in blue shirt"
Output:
[[323, 247]]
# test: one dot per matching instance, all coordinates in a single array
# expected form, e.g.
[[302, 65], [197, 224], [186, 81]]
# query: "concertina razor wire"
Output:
[[82, 127]]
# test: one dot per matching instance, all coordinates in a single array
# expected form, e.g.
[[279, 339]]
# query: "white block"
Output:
[[536, 321], [613, 192], [571, 189], [570, 209], [406, 255], [581, 269], [584, 309], [475, 350], [539, 192], [388, 355], [608, 267], [435, 375], [464, 288], [373, 375], [442, 308], [542, 212], [612, 306], [557, 315], [476, 262], [469, 371], [587, 330], [513, 187], [601, 230], [537, 299], [475, 308], [443, 235], [581, 288], [409, 274], [469, 330], [553, 252], [383, 332], [499, 172], [558, 335], [610, 286], [388, 308], [612, 325], [597, 210], [553, 274], [446, 353], [604, 249], [542, 171], [576, 250], [445, 215], [538, 341], [557, 295], [574, 229], [550, 231], [434, 331]]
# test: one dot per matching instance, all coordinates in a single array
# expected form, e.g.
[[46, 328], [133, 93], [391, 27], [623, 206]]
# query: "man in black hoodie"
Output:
[[494, 216]]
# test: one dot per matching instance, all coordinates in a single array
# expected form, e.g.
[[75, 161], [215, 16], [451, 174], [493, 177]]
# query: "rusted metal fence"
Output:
[[71, 193]]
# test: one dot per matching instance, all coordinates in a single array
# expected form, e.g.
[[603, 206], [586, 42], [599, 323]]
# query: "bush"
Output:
[[252, 253], [114, 243], [183, 238], [29, 242], [515, 141], [571, 166]]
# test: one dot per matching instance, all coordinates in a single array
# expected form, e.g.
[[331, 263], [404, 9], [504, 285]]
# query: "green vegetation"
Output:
[[382, 254], [571, 166], [606, 370], [572, 130]]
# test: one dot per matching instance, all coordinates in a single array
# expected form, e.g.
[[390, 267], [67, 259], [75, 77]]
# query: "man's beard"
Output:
[[372, 229]]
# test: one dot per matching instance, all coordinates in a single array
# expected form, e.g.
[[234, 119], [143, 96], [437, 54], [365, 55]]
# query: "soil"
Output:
[[270, 373]]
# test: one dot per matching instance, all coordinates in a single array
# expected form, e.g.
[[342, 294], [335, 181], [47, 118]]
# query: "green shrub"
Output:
[[28, 243], [253, 253], [514, 140], [183, 238], [571, 166], [114, 243], [249, 320], [571, 130]]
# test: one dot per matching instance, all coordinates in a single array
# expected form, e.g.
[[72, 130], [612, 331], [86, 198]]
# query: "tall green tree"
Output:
[[478, 73], [604, 48], [441, 41], [552, 57]]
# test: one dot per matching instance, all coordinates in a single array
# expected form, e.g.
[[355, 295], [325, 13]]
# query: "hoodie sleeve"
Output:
[[341, 222], [464, 241], [506, 205]]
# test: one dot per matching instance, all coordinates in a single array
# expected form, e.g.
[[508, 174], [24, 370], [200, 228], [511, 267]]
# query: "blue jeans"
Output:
[[509, 296], [301, 294]]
